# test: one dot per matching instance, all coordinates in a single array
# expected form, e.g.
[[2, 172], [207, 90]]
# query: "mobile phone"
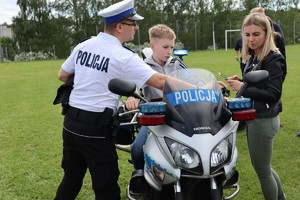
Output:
[[225, 77]]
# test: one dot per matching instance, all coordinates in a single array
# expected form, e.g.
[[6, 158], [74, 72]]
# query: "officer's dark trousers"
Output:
[[87, 152]]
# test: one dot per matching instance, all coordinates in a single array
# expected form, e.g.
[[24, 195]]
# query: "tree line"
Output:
[[61, 24]]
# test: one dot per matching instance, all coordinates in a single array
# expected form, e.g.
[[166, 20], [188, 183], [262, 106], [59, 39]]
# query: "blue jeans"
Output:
[[137, 153]]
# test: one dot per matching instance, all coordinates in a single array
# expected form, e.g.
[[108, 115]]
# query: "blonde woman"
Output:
[[260, 53]]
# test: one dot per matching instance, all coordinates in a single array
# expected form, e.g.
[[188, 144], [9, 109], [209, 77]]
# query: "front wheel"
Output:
[[216, 194], [167, 193], [201, 190], [194, 189]]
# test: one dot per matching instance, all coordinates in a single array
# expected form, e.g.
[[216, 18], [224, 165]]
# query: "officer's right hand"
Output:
[[131, 103]]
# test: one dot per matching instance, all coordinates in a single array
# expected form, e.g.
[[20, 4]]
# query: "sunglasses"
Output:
[[134, 24]]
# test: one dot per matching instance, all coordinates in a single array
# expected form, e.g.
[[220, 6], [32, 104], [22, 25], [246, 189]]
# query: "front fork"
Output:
[[178, 192], [216, 192]]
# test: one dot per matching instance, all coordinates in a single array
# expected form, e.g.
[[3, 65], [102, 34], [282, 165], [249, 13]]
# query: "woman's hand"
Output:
[[235, 83], [234, 77]]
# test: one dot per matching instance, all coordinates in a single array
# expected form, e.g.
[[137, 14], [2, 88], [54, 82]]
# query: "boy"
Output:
[[162, 41]]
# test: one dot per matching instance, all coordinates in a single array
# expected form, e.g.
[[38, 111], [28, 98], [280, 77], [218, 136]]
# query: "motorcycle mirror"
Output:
[[121, 87], [256, 77], [124, 88], [253, 78]]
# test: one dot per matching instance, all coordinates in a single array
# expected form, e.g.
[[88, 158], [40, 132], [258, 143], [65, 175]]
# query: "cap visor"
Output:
[[136, 17]]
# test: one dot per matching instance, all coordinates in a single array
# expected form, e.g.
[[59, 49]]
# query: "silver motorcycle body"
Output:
[[198, 139], [191, 142], [157, 153]]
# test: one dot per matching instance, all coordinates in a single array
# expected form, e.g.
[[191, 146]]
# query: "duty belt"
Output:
[[97, 117]]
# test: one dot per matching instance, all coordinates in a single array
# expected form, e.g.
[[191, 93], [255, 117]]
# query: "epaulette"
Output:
[[84, 39], [129, 49], [181, 63]]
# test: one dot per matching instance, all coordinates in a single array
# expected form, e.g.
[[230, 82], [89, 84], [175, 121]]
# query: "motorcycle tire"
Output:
[[217, 194], [167, 193], [200, 190]]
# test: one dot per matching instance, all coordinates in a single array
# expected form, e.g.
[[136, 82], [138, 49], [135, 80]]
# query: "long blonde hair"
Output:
[[261, 10], [263, 22]]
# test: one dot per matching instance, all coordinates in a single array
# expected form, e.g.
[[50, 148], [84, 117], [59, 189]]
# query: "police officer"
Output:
[[87, 133]]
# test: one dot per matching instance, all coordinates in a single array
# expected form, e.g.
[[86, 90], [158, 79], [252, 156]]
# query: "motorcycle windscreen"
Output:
[[195, 106]]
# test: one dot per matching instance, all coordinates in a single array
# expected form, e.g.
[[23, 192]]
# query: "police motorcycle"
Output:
[[190, 152]]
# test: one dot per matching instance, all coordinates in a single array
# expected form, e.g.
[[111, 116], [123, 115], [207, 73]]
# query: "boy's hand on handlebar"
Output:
[[224, 89], [131, 103], [222, 84]]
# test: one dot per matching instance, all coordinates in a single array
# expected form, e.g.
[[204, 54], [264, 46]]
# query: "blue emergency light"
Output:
[[239, 103], [241, 109], [153, 107], [152, 113], [180, 53]]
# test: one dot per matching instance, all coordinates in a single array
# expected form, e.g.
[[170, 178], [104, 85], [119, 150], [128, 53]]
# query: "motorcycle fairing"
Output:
[[151, 150], [156, 149], [202, 99], [150, 162], [177, 98], [229, 169]]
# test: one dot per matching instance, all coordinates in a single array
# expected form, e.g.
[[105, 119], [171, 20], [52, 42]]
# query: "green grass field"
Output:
[[30, 130]]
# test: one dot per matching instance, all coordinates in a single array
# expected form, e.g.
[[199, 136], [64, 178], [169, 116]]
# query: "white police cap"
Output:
[[119, 11]]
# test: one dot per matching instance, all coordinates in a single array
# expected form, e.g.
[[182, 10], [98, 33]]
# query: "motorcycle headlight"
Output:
[[221, 153], [184, 157]]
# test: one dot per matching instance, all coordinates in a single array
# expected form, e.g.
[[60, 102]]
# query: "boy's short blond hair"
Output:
[[161, 31]]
